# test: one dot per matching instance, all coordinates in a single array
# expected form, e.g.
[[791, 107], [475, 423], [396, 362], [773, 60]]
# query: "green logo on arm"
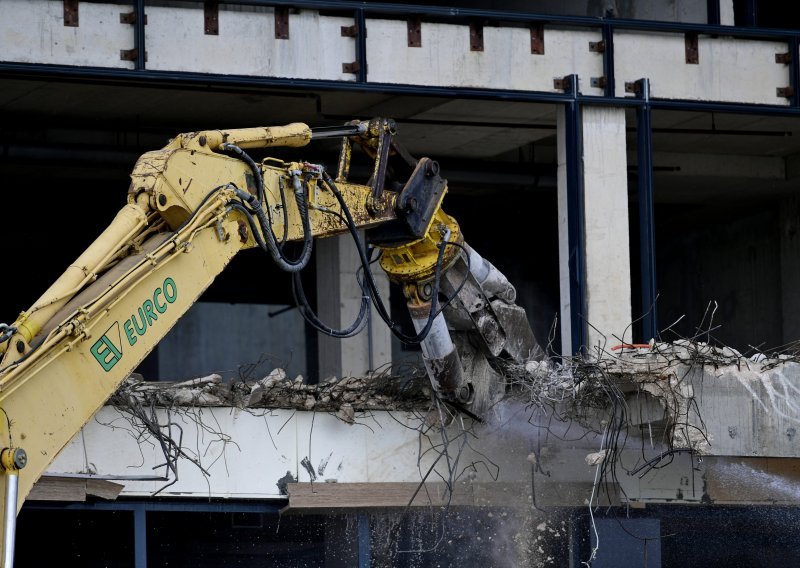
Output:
[[107, 351]]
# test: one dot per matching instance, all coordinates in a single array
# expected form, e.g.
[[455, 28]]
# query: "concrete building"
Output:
[[632, 167]]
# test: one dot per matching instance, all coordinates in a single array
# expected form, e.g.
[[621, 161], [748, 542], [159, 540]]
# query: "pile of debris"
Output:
[[343, 396]]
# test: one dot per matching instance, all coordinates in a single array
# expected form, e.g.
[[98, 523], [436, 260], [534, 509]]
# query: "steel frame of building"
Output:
[[571, 98]]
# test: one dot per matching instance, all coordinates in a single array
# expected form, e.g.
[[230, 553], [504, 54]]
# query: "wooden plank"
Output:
[[103, 488], [55, 488], [333, 496], [58, 489]]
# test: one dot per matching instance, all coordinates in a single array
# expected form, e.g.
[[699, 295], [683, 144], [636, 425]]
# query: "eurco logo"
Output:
[[107, 350]]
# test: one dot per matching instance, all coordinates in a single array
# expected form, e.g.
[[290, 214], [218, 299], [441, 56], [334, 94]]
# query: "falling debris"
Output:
[[596, 458]]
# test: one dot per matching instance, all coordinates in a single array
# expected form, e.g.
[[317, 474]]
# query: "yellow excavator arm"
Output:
[[192, 206]]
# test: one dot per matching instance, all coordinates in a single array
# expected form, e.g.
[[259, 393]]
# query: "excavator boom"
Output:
[[192, 206]]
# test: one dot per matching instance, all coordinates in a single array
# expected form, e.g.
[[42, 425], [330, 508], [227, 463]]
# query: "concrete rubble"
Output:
[[343, 396], [711, 400]]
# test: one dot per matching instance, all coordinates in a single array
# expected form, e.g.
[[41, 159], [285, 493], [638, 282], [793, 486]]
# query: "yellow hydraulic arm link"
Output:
[[183, 223]]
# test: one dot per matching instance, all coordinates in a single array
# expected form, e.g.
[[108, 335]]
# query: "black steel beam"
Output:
[[167, 79], [575, 218], [647, 247]]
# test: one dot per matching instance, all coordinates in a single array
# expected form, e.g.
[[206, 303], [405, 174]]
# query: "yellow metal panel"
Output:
[[57, 394]]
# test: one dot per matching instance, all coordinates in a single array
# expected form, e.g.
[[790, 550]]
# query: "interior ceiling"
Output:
[[473, 133]]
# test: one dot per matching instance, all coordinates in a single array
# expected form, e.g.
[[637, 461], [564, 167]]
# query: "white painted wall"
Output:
[[731, 70], [266, 444], [728, 70], [34, 32], [246, 44], [445, 58]]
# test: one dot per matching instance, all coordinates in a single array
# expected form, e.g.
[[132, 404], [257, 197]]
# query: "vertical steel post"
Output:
[[751, 13], [364, 560], [138, 42], [608, 59], [712, 11], [361, 46], [794, 70], [647, 247], [575, 216], [139, 536]]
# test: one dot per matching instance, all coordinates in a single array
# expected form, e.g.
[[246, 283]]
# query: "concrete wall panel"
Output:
[[246, 44], [445, 59], [34, 32], [729, 69]]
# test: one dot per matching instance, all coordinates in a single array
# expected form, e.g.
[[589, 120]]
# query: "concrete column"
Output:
[[338, 301], [605, 228]]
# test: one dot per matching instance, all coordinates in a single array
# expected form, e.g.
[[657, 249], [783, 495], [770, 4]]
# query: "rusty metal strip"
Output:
[[281, 22], [692, 49], [597, 46], [476, 37], [351, 67], [537, 39], [785, 92], [350, 31], [211, 17], [130, 18], [414, 26], [71, 13], [783, 58]]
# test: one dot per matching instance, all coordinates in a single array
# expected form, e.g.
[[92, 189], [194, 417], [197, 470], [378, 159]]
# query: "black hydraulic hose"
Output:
[[373, 289], [312, 318], [256, 206]]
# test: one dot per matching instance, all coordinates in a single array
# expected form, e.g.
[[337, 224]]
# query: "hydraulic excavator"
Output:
[[191, 207]]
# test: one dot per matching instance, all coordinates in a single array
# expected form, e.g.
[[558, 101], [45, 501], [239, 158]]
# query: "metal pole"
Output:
[[647, 246], [364, 560], [10, 528], [139, 43], [575, 217]]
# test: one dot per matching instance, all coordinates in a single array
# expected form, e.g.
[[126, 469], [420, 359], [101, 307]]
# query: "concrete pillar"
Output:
[[604, 183], [338, 301]]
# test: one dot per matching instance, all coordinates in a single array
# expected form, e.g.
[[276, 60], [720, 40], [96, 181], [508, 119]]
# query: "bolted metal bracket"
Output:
[[353, 67], [130, 18], [785, 92], [597, 46], [414, 27], [598, 82], [350, 31], [561, 83], [537, 39], [633, 87], [211, 18], [281, 22], [476, 37], [783, 58], [692, 48], [130, 54], [71, 13]]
